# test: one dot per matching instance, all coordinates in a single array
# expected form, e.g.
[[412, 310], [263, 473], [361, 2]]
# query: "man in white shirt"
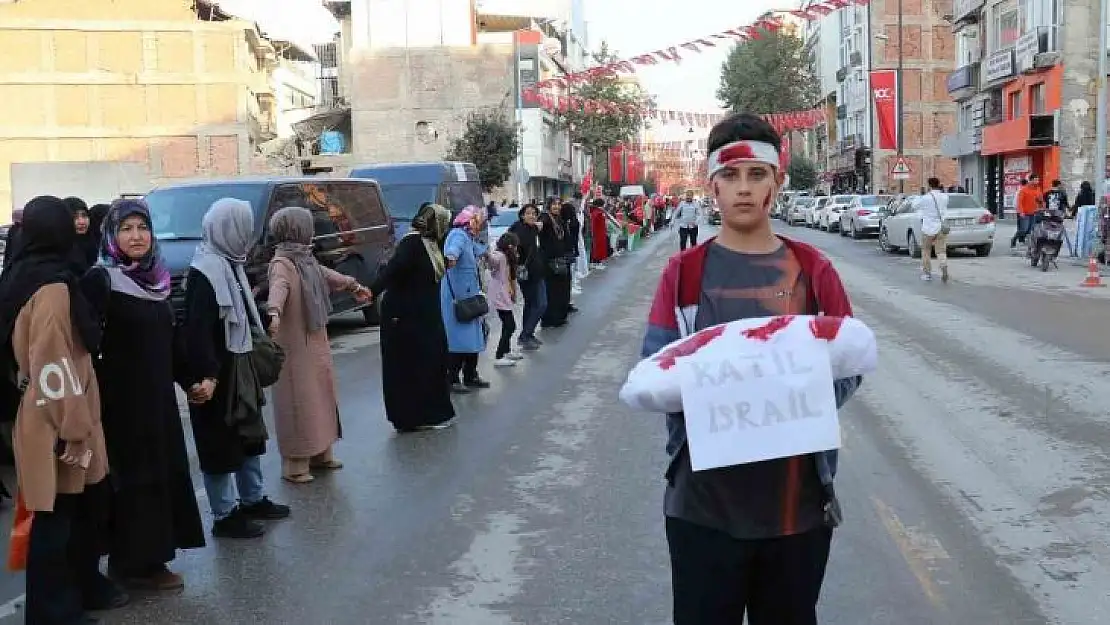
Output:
[[933, 207], [686, 219]]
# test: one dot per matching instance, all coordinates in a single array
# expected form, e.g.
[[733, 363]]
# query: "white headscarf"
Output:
[[228, 231]]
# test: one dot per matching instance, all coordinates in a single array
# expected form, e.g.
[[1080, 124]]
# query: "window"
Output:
[[966, 121], [1037, 97], [1043, 16], [1014, 105], [1005, 26]]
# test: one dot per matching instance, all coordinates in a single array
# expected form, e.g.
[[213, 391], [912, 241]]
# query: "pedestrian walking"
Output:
[[219, 313], [465, 337], [1029, 199], [750, 538], [503, 295], [154, 506], [686, 220], [306, 403], [413, 342], [48, 331], [933, 207]]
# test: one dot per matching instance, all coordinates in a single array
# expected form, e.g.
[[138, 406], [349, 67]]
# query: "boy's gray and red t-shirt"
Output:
[[763, 499]]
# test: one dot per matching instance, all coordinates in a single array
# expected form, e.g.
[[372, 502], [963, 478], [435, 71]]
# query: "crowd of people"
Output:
[[92, 350]]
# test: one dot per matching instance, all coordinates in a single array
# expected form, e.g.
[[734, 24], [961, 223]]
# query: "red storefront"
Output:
[[1023, 143]]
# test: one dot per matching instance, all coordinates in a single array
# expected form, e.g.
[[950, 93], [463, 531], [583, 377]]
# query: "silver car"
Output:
[[796, 211], [970, 225], [862, 217]]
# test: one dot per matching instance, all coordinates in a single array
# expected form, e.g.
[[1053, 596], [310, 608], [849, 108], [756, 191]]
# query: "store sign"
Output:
[[1026, 50], [999, 65], [962, 78], [1014, 169]]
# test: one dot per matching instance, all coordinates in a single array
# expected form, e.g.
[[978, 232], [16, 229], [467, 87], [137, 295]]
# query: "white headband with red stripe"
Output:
[[737, 152]]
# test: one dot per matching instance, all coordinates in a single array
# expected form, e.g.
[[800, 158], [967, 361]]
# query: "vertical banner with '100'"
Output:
[[884, 88]]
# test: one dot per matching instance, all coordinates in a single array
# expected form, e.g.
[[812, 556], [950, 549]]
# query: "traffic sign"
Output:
[[900, 170]]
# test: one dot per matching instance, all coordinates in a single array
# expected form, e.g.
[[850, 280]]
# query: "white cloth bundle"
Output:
[[654, 384]]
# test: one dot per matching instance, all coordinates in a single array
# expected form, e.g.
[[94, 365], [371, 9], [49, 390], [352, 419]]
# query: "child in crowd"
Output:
[[504, 264]]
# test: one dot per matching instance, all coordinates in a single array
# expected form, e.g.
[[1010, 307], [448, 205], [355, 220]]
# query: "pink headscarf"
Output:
[[468, 213]]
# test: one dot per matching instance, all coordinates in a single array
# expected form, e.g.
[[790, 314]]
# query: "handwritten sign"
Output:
[[759, 402]]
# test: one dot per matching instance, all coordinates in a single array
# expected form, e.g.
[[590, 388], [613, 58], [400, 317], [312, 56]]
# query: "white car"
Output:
[[829, 217], [970, 225], [814, 212], [499, 224], [863, 216], [796, 210]]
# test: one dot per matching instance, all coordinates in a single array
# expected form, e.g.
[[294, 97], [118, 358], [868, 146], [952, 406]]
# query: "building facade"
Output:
[[1026, 85], [165, 89], [412, 71]]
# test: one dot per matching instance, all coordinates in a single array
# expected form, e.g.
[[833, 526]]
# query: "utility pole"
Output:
[[1100, 118], [898, 96], [870, 108], [519, 120]]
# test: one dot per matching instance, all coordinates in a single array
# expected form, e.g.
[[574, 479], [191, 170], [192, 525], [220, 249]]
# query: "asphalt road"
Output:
[[975, 477]]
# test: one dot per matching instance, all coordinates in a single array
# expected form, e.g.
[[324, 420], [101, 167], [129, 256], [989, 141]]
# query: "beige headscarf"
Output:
[[431, 224], [292, 229]]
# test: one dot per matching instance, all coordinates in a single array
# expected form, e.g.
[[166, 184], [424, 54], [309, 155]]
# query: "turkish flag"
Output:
[[616, 163], [884, 88], [587, 184], [635, 170]]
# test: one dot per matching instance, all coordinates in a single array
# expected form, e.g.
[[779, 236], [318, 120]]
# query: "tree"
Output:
[[598, 130], [771, 74], [491, 141], [802, 172]]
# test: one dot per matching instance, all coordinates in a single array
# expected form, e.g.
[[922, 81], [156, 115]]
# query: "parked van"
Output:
[[405, 186], [354, 234]]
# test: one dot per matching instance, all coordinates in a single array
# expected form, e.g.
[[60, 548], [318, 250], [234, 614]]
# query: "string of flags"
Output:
[[770, 23], [782, 122]]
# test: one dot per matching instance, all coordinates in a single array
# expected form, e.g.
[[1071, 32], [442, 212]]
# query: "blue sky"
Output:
[[634, 28]]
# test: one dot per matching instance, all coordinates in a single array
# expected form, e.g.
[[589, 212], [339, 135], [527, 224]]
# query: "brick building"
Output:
[[166, 88]]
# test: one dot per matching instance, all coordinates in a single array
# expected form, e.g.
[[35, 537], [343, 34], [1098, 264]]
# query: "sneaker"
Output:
[[926, 277], [458, 389], [477, 383], [515, 355], [944, 274], [438, 426], [237, 525], [265, 510], [504, 361]]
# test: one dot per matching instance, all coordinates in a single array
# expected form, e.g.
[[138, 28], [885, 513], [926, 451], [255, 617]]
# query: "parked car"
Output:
[[862, 216], [796, 210], [972, 226], [499, 224], [354, 234], [814, 211], [829, 217]]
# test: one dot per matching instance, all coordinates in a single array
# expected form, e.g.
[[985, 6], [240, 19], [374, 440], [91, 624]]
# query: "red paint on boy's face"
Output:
[[716, 189]]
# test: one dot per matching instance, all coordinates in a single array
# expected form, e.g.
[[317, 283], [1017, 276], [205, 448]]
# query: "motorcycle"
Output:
[[1046, 239]]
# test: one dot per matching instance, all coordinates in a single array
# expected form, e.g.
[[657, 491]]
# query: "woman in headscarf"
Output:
[[553, 240], [306, 405], [465, 339], [413, 340], [87, 244], [533, 266], [47, 335], [219, 313], [154, 504]]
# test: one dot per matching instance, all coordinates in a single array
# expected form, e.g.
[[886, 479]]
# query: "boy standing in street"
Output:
[[750, 538], [686, 218]]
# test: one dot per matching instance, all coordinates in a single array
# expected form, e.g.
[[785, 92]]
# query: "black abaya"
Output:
[[413, 340], [553, 242], [155, 509]]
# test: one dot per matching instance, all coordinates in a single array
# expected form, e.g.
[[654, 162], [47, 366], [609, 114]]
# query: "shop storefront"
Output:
[[1024, 142]]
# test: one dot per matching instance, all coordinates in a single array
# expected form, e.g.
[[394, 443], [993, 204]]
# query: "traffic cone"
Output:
[[1093, 278]]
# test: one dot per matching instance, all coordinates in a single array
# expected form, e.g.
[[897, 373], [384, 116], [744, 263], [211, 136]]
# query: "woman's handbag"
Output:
[[558, 267], [944, 227], [267, 356], [470, 308]]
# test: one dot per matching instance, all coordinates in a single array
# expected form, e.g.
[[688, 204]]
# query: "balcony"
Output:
[[966, 12], [855, 59], [1034, 50], [959, 144], [963, 82], [841, 74]]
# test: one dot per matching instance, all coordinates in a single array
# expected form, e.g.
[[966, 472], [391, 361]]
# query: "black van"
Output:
[[405, 186], [354, 234]]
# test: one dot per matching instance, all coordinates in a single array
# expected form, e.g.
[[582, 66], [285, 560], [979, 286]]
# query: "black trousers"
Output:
[[508, 326], [716, 578], [63, 561], [687, 233], [467, 364]]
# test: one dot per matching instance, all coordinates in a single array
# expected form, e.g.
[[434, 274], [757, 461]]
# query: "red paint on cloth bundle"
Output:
[[669, 357]]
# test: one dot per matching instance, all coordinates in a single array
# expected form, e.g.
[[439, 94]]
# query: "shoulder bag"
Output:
[[944, 228], [470, 308]]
